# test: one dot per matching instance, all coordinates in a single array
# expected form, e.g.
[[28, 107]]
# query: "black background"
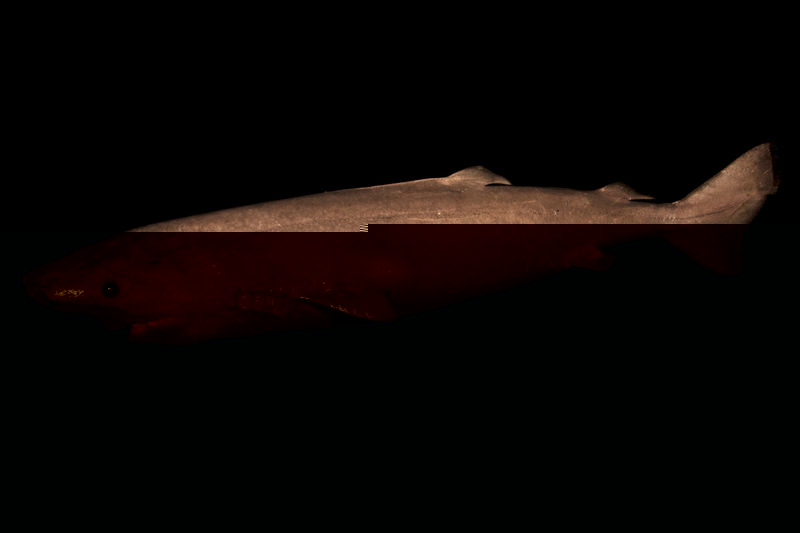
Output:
[[152, 116]]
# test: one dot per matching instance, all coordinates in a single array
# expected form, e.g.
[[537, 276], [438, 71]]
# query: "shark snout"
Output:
[[46, 287]]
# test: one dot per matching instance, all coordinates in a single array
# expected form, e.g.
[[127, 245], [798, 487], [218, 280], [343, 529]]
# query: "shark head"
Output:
[[181, 288], [127, 279]]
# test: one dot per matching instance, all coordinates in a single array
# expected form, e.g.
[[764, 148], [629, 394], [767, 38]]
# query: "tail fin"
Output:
[[736, 194], [712, 218]]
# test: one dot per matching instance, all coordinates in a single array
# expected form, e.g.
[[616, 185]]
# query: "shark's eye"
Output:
[[110, 289]]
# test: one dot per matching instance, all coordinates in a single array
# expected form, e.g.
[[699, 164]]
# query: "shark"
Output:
[[380, 253]]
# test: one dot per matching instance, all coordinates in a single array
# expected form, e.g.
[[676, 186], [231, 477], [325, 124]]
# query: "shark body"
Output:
[[378, 253]]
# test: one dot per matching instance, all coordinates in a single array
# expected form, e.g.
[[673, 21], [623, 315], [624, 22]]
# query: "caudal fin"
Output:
[[735, 195], [711, 219]]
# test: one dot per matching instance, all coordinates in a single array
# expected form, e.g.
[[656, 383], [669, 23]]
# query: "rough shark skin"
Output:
[[478, 196], [308, 262]]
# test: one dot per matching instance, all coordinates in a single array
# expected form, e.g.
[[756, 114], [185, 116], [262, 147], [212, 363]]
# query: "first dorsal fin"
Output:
[[476, 177], [622, 191]]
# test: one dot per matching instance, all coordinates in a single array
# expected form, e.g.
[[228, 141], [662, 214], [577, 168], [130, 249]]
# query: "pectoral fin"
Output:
[[361, 303]]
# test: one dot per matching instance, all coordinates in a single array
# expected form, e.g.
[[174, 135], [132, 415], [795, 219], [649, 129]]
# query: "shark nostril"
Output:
[[41, 296], [38, 285]]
